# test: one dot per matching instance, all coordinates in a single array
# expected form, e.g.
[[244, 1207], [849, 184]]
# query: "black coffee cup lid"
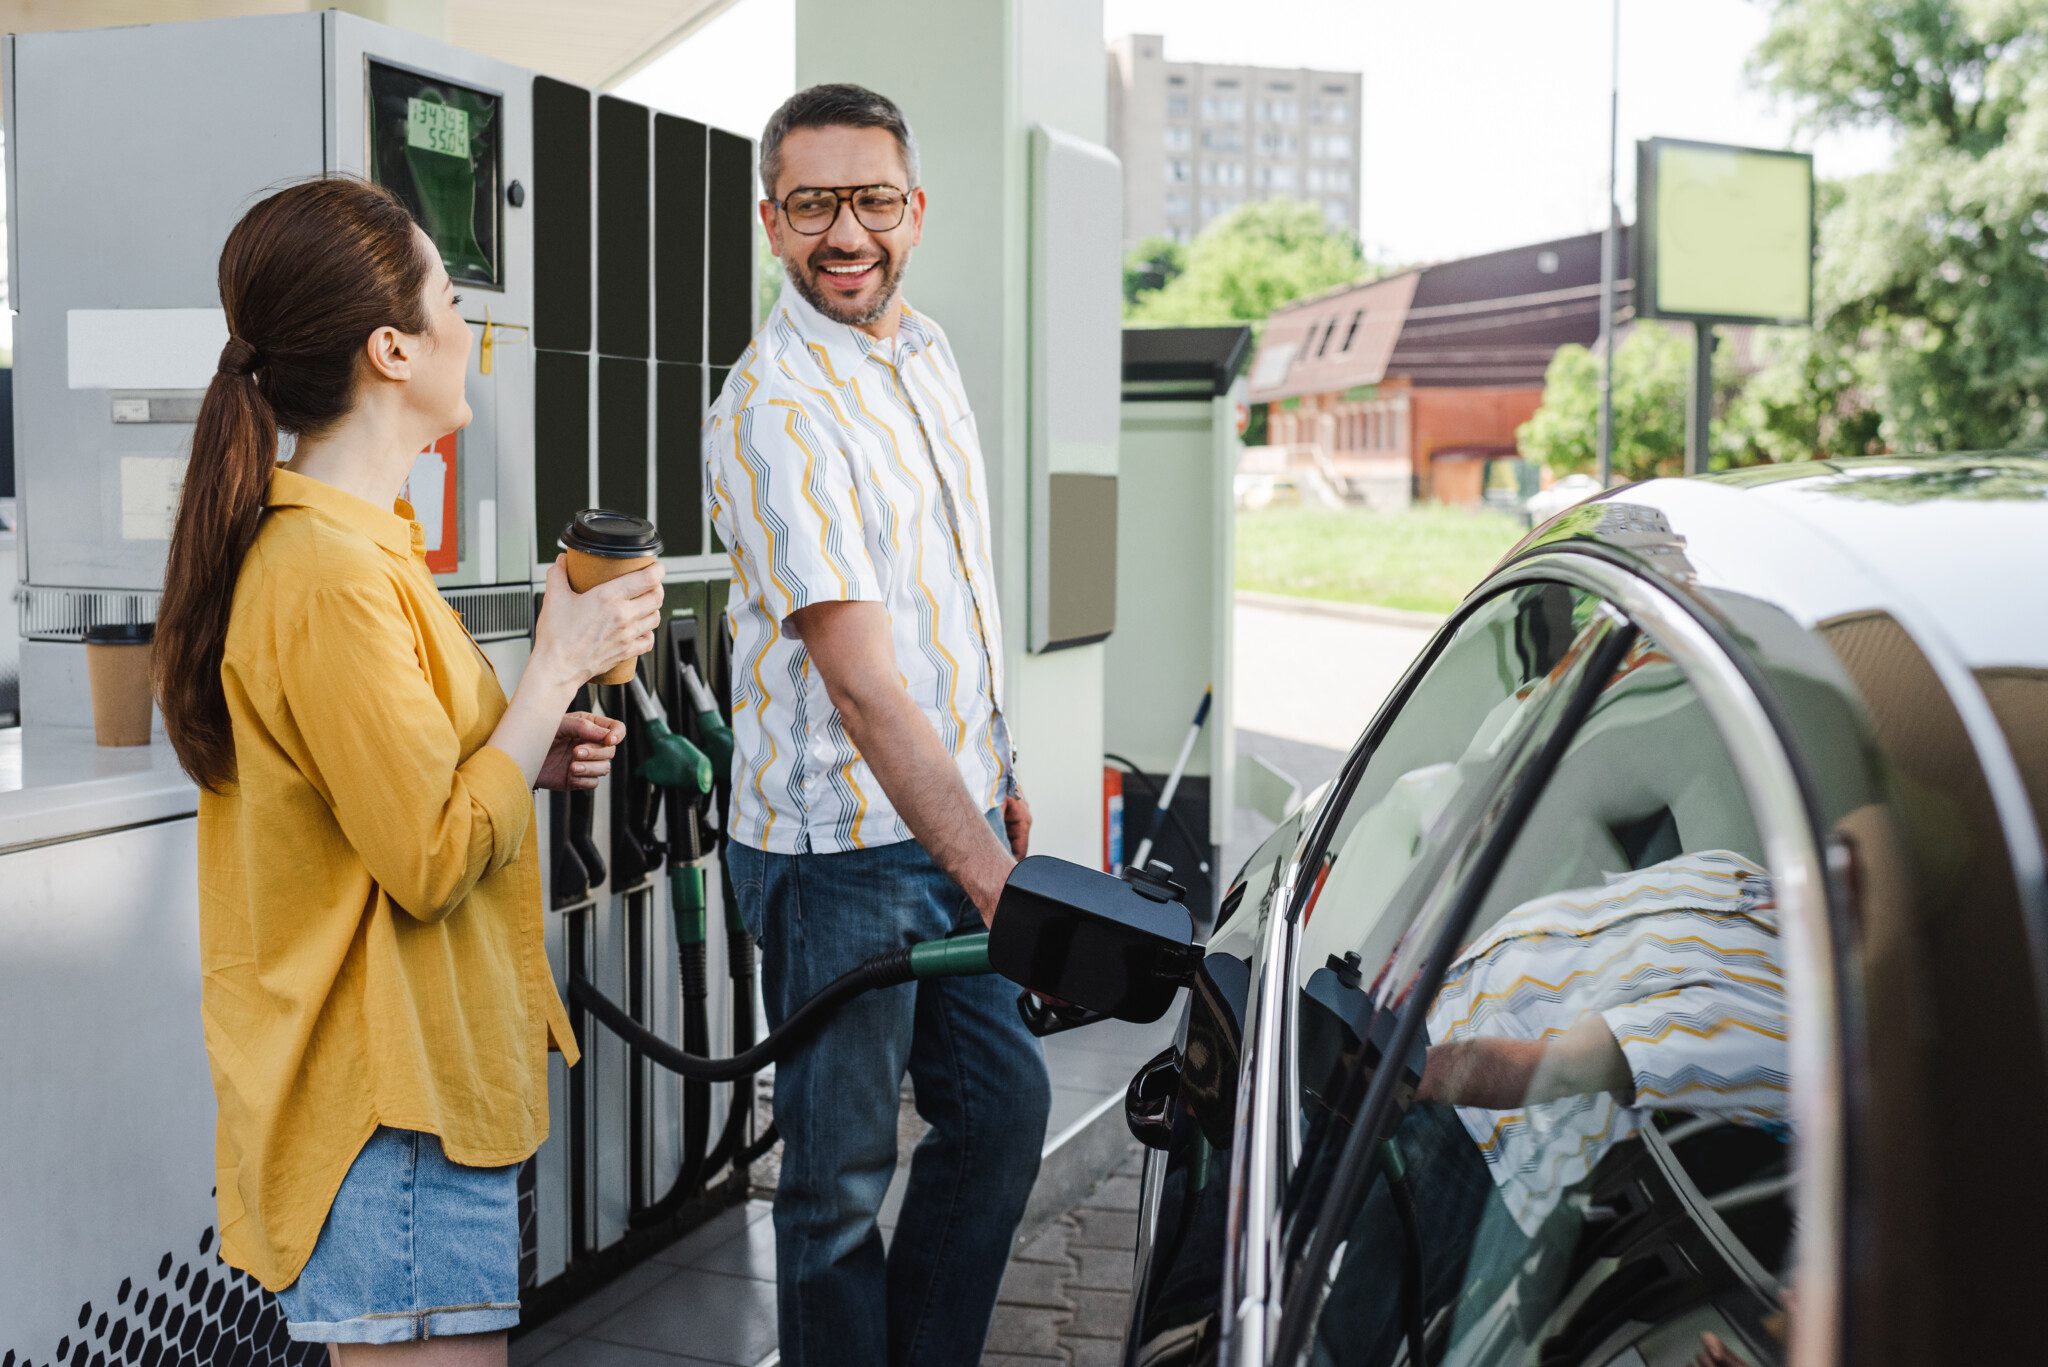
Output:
[[121, 634], [600, 531]]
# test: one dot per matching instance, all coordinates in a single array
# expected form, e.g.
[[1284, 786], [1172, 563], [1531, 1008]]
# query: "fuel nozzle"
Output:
[[712, 731], [672, 762]]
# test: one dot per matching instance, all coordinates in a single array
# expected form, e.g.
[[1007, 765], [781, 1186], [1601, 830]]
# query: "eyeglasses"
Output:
[[878, 208]]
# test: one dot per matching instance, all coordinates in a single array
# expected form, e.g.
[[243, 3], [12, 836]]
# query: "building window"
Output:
[[1276, 177], [1181, 233], [1178, 138], [1351, 333], [1177, 169], [1176, 80], [1273, 144], [1176, 106], [1324, 345], [1280, 85], [1223, 108], [1177, 206], [1225, 83], [1279, 111], [1332, 147], [1223, 139]]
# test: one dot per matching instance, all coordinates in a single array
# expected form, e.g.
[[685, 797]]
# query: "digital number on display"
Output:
[[435, 127]]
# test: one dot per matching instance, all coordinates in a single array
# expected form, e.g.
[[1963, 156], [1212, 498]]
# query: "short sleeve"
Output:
[[792, 514], [427, 821]]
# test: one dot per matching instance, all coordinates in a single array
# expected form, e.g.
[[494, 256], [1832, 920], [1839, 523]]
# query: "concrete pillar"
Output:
[[973, 76]]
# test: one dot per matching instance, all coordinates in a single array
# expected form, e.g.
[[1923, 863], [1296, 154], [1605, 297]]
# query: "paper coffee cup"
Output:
[[117, 662], [601, 545]]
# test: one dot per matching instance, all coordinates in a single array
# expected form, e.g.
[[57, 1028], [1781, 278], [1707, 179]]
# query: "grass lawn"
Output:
[[1425, 557]]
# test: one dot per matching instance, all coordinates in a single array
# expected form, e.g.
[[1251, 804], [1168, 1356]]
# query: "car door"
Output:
[[1537, 1099], [1488, 665]]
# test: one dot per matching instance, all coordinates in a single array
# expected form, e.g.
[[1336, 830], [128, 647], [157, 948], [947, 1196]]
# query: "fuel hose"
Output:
[[958, 956]]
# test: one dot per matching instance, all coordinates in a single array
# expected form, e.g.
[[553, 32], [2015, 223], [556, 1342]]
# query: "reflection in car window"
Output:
[[1437, 756], [1593, 1161]]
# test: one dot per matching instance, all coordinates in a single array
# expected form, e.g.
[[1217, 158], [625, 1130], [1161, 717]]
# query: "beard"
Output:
[[805, 279]]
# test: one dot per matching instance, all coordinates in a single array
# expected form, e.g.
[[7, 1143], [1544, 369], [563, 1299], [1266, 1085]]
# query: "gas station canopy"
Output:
[[592, 42]]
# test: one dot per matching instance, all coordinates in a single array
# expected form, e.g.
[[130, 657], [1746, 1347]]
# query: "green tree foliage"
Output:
[[1151, 265], [1932, 289], [1652, 373], [1248, 263]]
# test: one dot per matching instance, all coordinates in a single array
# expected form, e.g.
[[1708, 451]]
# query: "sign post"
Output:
[[1723, 235]]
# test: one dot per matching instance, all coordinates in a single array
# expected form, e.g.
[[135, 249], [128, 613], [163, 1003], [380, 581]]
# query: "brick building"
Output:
[[1414, 384]]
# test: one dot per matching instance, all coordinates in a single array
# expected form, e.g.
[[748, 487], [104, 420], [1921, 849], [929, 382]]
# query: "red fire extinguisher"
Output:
[[1112, 819]]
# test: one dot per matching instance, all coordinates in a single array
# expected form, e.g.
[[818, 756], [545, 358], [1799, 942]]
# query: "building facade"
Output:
[[1412, 385], [1198, 140]]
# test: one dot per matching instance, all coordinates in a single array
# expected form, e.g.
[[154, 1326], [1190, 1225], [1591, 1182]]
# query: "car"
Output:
[[1662, 978]]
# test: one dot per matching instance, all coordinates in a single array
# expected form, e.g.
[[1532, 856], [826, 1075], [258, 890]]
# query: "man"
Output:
[[875, 802]]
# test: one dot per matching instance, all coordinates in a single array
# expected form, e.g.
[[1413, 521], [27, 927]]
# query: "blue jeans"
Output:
[[979, 1079], [415, 1246]]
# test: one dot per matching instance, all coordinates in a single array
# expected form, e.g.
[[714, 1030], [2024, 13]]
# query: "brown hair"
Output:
[[305, 278]]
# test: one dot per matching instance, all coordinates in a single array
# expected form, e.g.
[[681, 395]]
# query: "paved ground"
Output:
[[1068, 1291], [1316, 675]]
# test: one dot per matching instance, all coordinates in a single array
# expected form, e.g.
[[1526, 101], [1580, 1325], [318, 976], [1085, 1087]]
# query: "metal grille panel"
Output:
[[498, 613]]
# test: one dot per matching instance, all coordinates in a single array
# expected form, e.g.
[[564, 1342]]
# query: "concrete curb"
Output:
[[1351, 612]]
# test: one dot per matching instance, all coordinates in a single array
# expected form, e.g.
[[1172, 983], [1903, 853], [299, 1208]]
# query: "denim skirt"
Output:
[[416, 1246]]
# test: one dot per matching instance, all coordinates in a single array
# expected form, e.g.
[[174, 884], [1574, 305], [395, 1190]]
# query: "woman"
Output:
[[377, 999]]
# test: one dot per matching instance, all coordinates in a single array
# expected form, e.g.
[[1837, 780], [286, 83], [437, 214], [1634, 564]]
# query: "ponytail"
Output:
[[306, 276], [234, 449]]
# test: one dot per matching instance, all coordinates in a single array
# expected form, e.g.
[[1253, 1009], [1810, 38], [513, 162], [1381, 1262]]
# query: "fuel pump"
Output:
[[682, 775]]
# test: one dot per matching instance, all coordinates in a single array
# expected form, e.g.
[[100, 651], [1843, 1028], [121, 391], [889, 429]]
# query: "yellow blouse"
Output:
[[369, 886]]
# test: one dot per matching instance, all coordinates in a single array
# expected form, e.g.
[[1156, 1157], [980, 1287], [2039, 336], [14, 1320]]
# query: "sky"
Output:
[[1486, 121]]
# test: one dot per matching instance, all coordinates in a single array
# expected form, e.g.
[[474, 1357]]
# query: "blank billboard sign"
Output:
[[1726, 233]]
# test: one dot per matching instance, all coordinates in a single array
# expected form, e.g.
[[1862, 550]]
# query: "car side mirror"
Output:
[[1118, 946]]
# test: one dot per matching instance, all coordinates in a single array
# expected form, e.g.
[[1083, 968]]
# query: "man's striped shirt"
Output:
[[1680, 959], [846, 468]]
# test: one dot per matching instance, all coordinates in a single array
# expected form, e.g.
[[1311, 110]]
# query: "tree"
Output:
[[1652, 374], [1809, 399], [1931, 293], [1151, 265], [1248, 263]]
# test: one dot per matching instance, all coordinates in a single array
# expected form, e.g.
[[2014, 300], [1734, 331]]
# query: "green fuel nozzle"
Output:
[[711, 728], [672, 762]]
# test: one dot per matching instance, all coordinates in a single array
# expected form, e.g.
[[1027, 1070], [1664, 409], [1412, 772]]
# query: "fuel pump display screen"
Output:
[[436, 145]]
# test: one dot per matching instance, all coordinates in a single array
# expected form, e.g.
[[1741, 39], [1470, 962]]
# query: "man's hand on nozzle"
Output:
[[985, 883]]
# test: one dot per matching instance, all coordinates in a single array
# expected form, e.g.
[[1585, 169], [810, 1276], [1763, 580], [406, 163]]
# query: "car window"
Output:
[[1464, 719], [1591, 1161]]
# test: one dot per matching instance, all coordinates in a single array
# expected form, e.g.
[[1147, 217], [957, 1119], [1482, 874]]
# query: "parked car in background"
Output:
[[1662, 980], [1545, 504]]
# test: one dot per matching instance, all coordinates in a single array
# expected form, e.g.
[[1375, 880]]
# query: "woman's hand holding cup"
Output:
[[587, 635]]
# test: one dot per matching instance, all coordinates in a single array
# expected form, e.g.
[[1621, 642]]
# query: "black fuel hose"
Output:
[[887, 969]]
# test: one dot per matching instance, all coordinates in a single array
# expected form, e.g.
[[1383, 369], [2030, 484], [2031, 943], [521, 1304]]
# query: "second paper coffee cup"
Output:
[[602, 545], [117, 666]]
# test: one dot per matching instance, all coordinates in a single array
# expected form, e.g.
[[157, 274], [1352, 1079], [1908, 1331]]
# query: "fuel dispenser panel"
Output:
[[653, 217]]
